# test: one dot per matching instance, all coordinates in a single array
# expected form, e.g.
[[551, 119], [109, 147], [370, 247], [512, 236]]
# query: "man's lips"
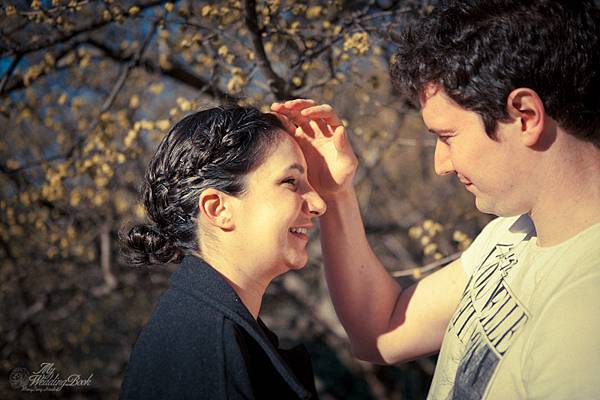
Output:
[[464, 180]]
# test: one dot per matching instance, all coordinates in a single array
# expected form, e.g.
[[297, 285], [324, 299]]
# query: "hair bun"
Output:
[[146, 245]]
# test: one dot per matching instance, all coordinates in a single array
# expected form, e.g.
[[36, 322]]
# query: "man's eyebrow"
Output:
[[439, 131]]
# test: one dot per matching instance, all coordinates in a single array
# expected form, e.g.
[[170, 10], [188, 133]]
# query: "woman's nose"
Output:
[[315, 204]]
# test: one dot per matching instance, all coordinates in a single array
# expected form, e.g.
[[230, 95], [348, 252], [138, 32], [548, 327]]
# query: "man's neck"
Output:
[[569, 201]]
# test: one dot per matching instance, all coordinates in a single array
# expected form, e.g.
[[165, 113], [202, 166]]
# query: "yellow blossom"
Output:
[[134, 101], [430, 249], [162, 124], [313, 12], [156, 88], [184, 104], [416, 273], [236, 82], [415, 232], [206, 10], [358, 42]]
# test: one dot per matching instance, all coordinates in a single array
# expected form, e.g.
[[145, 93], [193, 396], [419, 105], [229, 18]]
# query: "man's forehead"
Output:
[[429, 90]]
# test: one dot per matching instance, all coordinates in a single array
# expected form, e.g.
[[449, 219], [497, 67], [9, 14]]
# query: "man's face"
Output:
[[495, 171]]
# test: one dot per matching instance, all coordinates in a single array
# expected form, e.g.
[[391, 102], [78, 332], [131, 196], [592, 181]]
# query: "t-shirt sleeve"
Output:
[[563, 354]]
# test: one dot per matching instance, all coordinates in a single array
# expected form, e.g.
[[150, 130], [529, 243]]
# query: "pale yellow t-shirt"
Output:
[[528, 324]]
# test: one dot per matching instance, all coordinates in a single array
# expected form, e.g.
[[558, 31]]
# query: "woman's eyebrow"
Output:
[[296, 166]]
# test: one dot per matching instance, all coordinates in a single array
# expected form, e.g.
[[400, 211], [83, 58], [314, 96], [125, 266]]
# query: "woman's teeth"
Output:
[[299, 230]]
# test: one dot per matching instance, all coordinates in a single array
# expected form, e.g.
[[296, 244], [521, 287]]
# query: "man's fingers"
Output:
[[323, 111], [321, 128], [339, 138], [299, 103], [287, 125], [304, 132]]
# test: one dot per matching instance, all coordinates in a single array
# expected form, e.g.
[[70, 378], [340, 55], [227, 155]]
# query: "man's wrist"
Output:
[[340, 196]]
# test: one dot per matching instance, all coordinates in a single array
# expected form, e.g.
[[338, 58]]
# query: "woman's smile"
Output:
[[300, 232], [276, 210]]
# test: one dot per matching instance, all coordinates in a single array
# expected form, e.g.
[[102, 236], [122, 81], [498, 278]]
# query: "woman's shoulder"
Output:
[[177, 313], [178, 354]]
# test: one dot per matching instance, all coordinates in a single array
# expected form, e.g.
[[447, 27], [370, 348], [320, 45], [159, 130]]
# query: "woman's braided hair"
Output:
[[214, 148]]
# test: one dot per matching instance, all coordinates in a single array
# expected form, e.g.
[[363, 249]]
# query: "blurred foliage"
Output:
[[89, 87]]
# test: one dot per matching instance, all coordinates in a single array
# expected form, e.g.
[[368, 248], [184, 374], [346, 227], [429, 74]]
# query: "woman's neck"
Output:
[[247, 281]]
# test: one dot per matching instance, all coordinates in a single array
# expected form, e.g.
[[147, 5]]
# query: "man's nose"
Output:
[[441, 159]]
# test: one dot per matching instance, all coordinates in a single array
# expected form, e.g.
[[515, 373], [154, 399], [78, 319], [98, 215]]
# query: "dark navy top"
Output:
[[201, 342]]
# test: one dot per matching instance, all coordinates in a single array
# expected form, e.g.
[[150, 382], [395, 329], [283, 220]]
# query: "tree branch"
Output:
[[24, 50], [176, 71], [105, 106], [9, 72], [277, 85]]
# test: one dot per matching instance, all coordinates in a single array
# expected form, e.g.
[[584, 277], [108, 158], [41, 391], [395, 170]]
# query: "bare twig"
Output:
[[88, 28], [176, 71], [419, 272], [9, 72], [276, 83], [110, 282]]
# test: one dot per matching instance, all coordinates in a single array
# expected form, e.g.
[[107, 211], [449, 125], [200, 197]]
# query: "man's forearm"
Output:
[[363, 292]]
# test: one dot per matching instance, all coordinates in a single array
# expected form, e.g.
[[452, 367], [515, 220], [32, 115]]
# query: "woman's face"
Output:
[[273, 217]]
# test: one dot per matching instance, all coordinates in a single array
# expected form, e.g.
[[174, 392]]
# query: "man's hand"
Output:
[[322, 137]]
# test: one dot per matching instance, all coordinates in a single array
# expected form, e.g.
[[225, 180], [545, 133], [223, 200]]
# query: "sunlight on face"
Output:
[[274, 215], [492, 170]]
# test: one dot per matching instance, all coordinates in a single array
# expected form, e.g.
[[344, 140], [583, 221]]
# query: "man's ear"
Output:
[[215, 208], [526, 107]]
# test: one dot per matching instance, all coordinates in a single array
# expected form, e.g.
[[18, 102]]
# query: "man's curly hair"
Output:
[[478, 51]]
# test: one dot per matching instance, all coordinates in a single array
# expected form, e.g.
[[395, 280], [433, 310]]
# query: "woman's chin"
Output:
[[298, 263]]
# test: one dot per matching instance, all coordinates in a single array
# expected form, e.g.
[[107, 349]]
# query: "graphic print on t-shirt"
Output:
[[486, 321]]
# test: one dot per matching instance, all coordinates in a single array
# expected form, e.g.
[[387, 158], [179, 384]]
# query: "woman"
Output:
[[228, 198]]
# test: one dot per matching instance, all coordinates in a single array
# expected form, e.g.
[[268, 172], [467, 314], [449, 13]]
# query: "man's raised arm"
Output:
[[385, 323]]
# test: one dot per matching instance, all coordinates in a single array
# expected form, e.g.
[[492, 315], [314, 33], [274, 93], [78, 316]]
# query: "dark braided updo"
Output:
[[214, 148]]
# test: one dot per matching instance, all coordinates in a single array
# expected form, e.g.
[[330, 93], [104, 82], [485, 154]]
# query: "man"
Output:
[[510, 89]]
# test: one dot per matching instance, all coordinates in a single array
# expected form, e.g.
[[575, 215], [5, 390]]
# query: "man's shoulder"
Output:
[[517, 226], [501, 232]]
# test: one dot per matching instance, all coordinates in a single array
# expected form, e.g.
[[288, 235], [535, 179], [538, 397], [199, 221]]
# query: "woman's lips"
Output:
[[300, 236], [300, 232]]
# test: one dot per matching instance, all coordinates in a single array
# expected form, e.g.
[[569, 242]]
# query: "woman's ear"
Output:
[[215, 209], [526, 107]]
